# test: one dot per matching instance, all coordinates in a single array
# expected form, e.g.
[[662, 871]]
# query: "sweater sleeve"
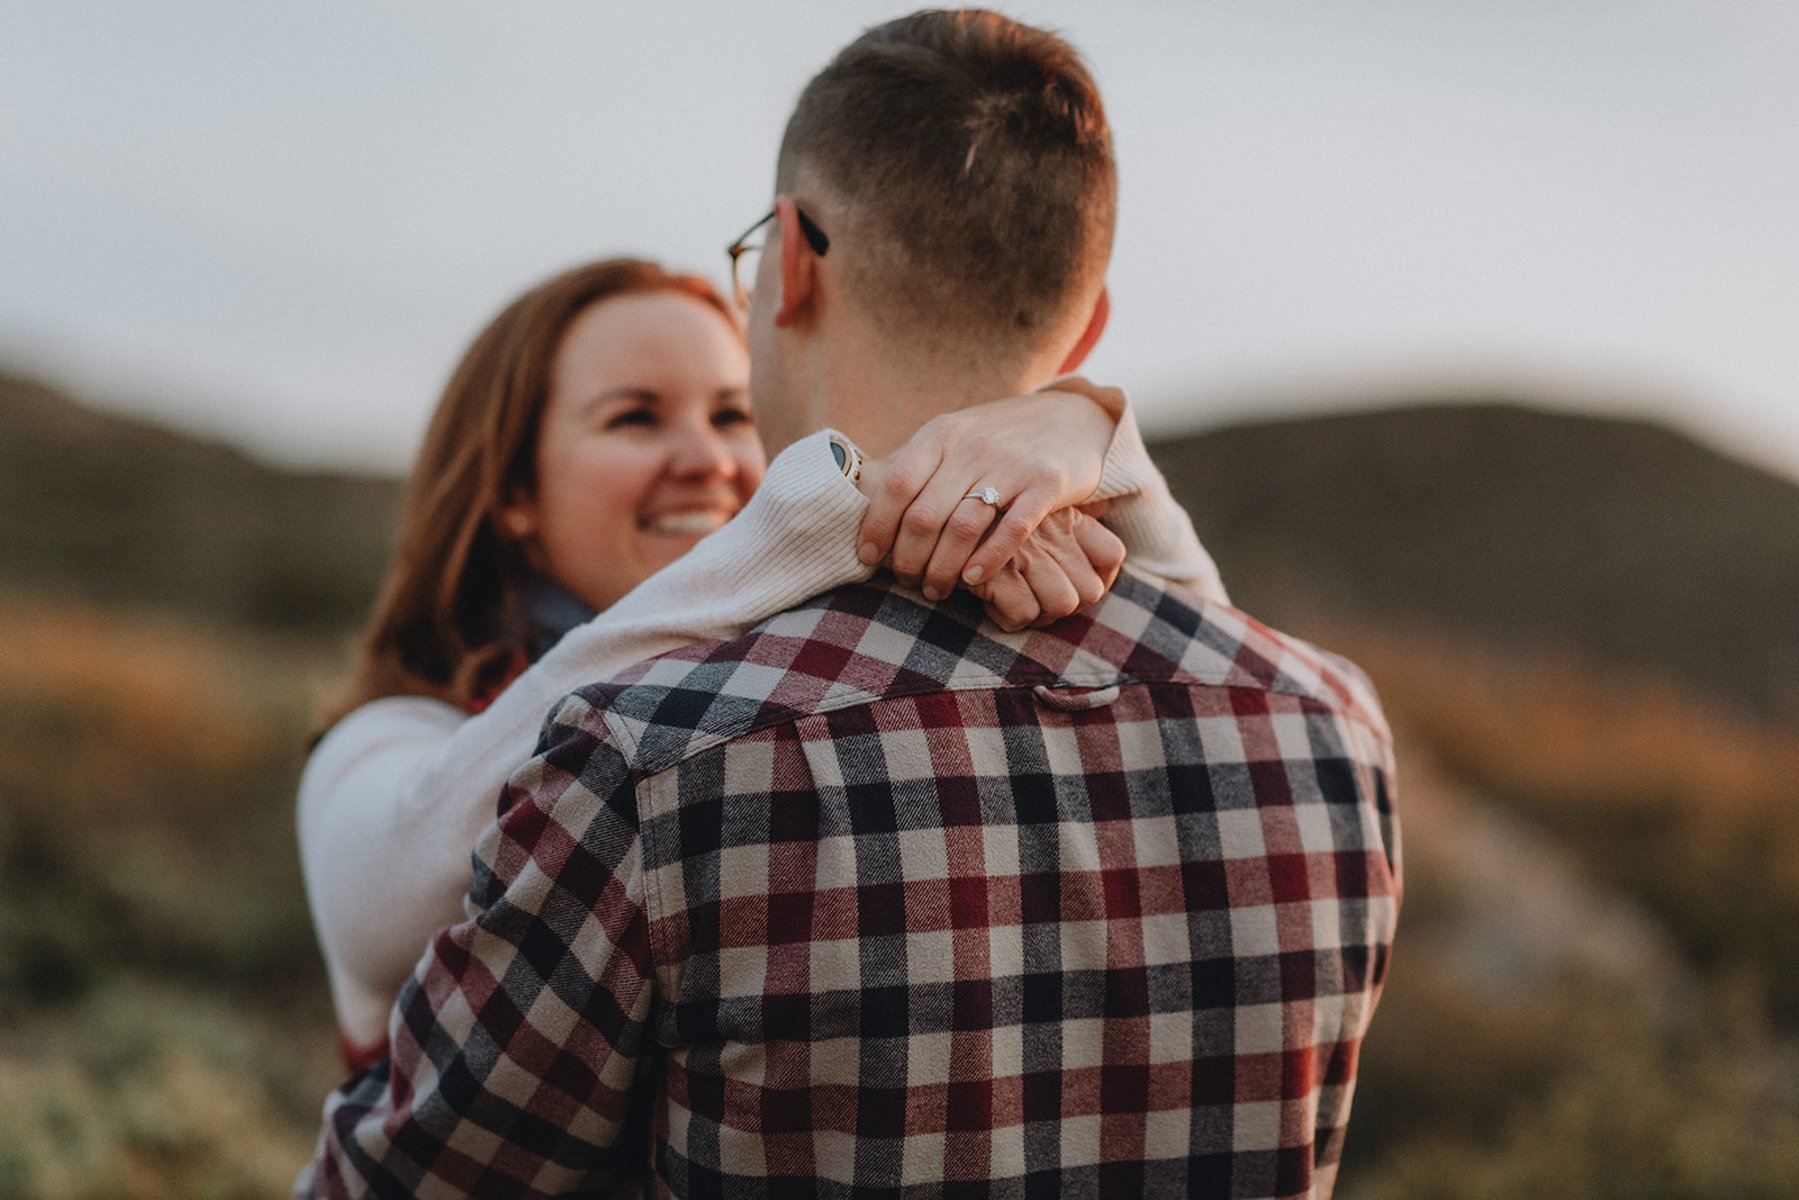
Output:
[[382, 870], [396, 794], [793, 540], [1157, 533], [395, 807]]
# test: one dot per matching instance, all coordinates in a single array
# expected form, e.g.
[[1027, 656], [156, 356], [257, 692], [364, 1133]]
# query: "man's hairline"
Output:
[[794, 176]]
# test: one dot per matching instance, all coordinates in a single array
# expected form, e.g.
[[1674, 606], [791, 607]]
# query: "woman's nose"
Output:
[[701, 451]]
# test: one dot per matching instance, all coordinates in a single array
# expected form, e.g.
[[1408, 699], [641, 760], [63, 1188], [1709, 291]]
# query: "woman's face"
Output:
[[645, 446]]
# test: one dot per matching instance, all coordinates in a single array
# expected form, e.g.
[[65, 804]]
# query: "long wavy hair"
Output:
[[448, 622]]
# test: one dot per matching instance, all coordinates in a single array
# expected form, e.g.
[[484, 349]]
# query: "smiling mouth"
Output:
[[685, 524]]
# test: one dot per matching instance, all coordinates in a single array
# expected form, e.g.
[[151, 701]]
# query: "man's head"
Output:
[[961, 165]]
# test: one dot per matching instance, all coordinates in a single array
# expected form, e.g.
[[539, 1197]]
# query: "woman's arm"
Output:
[[796, 538], [382, 867], [1158, 535], [400, 807], [396, 793], [1069, 443]]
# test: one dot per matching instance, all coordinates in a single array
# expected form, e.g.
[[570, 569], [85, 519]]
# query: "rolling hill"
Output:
[[1522, 528], [1516, 527], [124, 513]]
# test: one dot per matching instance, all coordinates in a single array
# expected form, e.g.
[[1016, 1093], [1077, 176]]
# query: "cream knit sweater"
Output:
[[393, 798]]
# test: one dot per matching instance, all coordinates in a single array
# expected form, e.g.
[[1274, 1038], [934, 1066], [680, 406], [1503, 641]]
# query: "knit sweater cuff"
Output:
[[1123, 470], [1157, 533], [794, 539]]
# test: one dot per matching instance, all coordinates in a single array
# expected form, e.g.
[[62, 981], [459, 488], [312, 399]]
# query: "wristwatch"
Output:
[[849, 459]]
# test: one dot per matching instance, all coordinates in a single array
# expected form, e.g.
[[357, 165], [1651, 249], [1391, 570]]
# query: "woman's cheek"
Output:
[[752, 461]]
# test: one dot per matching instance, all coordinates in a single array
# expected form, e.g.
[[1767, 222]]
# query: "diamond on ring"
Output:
[[988, 496]]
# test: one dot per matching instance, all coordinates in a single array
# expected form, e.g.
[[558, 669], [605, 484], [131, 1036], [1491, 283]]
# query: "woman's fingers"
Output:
[[1038, 453], [1051, 586], [1066, 565], [969, 521], [922, 520], [1062, 559], [1103, 551], [1011, 604], [1061, 538], [903, 478], [1020, 519], [940, 516]]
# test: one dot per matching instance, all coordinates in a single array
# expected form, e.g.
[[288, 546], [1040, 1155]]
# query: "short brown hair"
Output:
[[975, 155], [447, 623]]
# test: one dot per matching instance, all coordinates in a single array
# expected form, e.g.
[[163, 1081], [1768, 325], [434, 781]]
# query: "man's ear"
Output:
[[799, 265], [1096, 325]]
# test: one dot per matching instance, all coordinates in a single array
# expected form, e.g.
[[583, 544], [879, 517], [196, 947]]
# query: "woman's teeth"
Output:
[[686, 524]]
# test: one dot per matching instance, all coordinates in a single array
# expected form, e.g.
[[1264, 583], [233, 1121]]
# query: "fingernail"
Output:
[[933, 592], [973, 575], [869, 553]]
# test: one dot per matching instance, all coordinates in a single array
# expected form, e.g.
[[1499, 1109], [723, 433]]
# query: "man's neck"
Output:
[[880, 394]]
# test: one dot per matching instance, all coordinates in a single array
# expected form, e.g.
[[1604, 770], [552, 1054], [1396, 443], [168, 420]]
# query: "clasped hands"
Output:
[[1041, 552]]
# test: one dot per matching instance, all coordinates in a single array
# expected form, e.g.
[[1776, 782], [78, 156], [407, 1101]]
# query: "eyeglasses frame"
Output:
[[815, 237]]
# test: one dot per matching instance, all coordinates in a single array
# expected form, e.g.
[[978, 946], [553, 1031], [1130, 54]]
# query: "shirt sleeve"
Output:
[[399, 791], [513, 1067], [1158, 535]]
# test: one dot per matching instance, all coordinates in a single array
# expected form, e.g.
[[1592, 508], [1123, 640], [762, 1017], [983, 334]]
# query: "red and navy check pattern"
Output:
[[877, 900]]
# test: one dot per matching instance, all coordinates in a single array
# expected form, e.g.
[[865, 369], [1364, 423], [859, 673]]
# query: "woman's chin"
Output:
[[662, 547]]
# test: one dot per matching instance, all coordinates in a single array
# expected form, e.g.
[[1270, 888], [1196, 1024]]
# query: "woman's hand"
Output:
[[1039, 453], [1067, 563]]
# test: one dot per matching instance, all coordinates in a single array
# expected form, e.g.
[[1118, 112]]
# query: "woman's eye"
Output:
[[631, 416], [730, 416]]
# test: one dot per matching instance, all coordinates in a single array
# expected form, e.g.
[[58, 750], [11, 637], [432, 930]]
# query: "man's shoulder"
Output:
[[869, 642]]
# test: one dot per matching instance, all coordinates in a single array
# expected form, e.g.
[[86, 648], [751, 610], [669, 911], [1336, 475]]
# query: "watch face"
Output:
[[842, 456]]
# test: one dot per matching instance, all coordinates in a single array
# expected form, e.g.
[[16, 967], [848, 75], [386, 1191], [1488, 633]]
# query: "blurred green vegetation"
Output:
[[163, 1026], [1596, 988]]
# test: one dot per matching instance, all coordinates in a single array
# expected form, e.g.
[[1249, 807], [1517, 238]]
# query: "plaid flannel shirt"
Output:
[[878, 900]]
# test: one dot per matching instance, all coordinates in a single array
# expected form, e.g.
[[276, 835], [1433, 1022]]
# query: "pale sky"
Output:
[[282, 222]]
